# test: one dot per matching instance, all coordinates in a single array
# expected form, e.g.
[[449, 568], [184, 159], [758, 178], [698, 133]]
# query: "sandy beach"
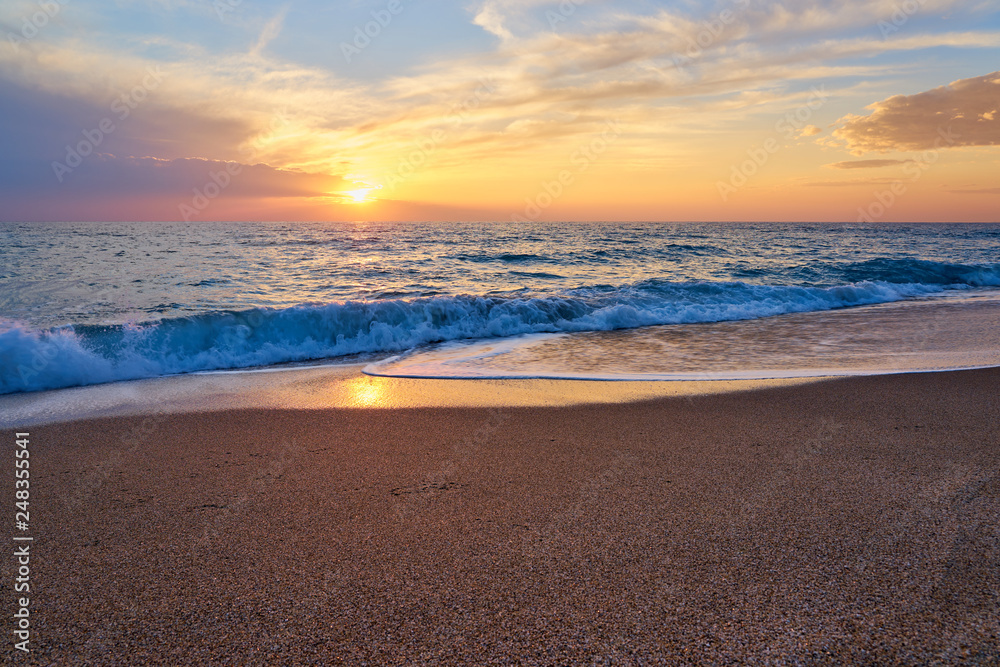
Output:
[[849, 521]]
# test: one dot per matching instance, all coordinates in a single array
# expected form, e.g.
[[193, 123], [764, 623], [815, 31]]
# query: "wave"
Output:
[[32, 360], [899, 271]]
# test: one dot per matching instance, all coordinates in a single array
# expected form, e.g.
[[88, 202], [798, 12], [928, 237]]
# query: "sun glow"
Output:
[[365, 392], [360, 194]]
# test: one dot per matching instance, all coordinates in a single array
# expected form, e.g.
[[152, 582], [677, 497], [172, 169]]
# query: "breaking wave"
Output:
[[32, 360]]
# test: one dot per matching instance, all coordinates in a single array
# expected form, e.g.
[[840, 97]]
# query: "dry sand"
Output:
[[849, 521]]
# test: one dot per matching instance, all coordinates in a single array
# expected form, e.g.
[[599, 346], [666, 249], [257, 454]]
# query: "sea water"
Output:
[[87, 303]]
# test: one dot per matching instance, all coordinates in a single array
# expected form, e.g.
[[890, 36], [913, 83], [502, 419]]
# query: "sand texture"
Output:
[[853, 521]]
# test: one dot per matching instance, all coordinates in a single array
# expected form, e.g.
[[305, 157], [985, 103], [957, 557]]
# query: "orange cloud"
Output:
[[979, 191], [867, 164], [964, 111]]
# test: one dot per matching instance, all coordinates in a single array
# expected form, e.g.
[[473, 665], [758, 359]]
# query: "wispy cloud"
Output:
[[550, 88], [867, 164], [858, 182], [270, 30], [976, 191]]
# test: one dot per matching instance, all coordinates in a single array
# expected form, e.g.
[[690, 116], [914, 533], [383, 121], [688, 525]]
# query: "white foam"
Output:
[[36, 360], [931, 335]]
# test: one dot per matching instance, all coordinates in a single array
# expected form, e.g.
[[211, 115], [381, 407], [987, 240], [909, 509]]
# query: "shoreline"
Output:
[[337, 386], [558, 369], [933, 332], [848, 520]]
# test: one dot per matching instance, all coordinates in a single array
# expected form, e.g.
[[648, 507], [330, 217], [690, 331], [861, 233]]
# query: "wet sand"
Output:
[[854, 520]]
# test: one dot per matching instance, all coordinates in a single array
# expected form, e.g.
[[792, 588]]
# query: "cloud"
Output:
[[623, 60], [490, 19], [105, 187], [552, 88], [963, 113], [209, 107], [41, 128], [107, 175], [494, 16], [867, 164], [976, 191], [885, 180], [271, 30]]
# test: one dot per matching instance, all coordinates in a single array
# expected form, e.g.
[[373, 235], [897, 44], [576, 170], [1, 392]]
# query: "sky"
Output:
[[420, 110]]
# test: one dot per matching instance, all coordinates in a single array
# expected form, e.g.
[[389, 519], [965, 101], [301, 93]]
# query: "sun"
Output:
[[360, 195]]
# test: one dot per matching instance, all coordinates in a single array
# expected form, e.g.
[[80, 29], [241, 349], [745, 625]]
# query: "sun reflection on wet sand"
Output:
[[364, 392], [325, 387]]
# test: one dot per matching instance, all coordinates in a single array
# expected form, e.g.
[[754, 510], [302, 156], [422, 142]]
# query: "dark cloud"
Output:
[[38, 126], [105, 187], [963, 113], [108, 188], [50, 163], [47, 121], [130, 176]]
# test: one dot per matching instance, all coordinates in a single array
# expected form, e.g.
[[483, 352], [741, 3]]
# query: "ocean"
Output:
[[89, 303]]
